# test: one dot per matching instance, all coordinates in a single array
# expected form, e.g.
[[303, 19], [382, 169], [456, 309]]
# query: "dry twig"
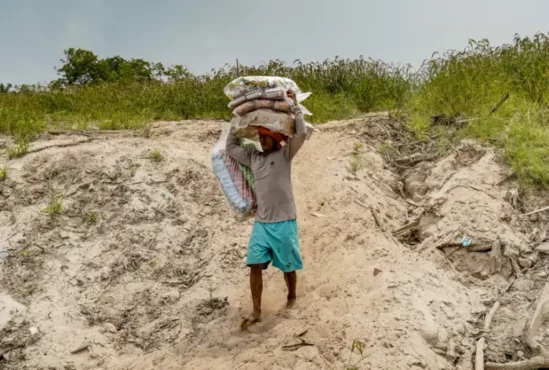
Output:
[[82, 348], [490, 316], [479, 357], [535, 363], [536, 211], [59, 146]]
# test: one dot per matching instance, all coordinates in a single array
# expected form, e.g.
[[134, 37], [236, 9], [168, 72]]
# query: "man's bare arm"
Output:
[[234, 150], [297, 141]]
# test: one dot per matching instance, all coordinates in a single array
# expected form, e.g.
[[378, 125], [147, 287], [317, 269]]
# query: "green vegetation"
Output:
[[356, 162], [356, 348], [115, 93], [499, 95], [55, 202], [4, 172], [156, 156], [92, 218], [21, 149], [468, 91]]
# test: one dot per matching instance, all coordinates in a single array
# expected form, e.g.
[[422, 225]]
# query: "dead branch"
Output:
[[470, 187], [464, 278], [360, 203], [535, 363], [9, 349], [82, 348], [414, 159], [378, 223], [511, 282], [496, 257], [490, 316], [413, 203], [428, 139], [400, 166], [85, 132], [479, 356], [503, 100], [59, 146], [445, 240], [480, 248], [168, 215], [536, 211], [412, 225], [467, 120], [537, 320], [295, 347], [515, 266], [175, 283], [20, 251], [507, 177], [456, 249]]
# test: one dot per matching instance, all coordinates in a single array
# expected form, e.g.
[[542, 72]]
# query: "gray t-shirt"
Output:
[[272, 174]]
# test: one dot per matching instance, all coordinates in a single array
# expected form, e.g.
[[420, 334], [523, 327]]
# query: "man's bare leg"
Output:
[[256, 286], [291, 283]]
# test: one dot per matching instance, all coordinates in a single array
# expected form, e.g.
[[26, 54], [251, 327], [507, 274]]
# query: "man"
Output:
[[274, 237]]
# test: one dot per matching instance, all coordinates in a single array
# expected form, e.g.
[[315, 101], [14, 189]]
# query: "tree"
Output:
[[177, 72], [4, 89], [82, 67], [79, 67], [120, 69]]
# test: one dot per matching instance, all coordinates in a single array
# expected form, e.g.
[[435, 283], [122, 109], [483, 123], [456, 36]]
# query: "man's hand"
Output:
[[292, 96]]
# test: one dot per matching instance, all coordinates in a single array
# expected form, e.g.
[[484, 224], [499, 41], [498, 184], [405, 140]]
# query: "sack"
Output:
[[247, 84], [234, 178], [248, 88], [250, 106], [246, 126], [259, 93], [251, 133]]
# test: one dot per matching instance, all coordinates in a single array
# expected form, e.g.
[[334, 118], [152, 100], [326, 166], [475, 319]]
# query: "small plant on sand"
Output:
[[387, 150], [156, 156], [55, 202], [212, 303], [357, 162], [4, 172], [146, 131], [30, 291], [356, 347], [21, 149], [355, 165], [357, 148], [92, 218]]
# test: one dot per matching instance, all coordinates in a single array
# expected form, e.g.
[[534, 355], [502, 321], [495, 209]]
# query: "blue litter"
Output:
[[466, 241]]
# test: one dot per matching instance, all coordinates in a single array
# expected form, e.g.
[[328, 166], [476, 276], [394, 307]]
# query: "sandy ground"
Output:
[[144, 268]]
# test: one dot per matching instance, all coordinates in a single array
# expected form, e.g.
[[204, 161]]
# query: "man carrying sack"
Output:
[[274, 236]]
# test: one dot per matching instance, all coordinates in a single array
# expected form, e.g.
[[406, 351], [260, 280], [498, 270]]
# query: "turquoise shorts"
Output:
[[277, 243]]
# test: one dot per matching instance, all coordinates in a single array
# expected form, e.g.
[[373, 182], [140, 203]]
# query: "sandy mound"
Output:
[[143, 268]]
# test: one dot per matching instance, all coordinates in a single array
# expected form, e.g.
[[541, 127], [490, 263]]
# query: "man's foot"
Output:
[[290, 303], [250, 320]]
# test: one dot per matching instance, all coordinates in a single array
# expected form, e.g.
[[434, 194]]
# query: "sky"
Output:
[[206, 34]]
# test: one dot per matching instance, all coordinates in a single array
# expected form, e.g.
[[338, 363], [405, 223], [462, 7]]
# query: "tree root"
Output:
[[531, 364]]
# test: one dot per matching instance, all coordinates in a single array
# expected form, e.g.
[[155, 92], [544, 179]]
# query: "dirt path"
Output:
[[145, 266]]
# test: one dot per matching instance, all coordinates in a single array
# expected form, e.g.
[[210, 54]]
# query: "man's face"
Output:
[[267, 143]]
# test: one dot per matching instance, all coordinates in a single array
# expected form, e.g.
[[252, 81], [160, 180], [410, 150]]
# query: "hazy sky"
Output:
[[209, 33]]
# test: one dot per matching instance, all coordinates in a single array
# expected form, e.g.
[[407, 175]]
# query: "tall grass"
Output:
[[341, 88], [470, 84], [458, 85]]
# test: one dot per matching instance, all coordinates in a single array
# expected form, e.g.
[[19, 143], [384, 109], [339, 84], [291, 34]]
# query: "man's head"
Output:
[[270, 140]]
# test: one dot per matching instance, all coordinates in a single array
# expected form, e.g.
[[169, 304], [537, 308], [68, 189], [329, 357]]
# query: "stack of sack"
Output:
[[256, 101]]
